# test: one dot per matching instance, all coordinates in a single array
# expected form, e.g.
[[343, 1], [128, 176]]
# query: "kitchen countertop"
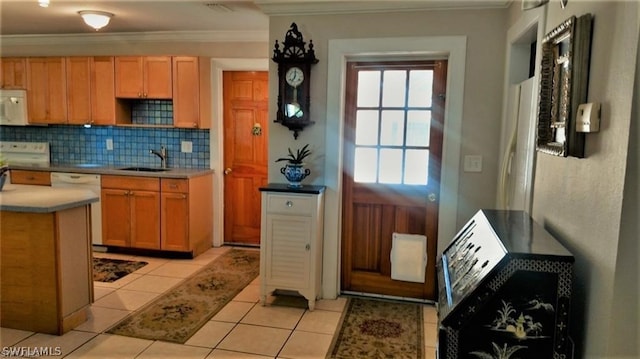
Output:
[[115, 170], [43, 199]]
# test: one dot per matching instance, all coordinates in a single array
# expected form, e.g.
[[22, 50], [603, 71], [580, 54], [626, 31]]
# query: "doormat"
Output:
[[109, 270], [176, 315], [372, 328]]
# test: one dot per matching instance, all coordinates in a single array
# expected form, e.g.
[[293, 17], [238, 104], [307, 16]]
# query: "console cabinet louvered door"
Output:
[[291, 239]]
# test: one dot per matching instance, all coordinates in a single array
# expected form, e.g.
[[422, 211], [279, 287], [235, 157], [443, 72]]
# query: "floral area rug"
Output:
[[373, 328], [178, 314], [109, 270]]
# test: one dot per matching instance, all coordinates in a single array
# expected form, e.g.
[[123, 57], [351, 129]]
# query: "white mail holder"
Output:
[[408, 257]]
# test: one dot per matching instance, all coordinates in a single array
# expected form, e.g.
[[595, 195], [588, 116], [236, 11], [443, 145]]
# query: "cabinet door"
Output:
[[47, 90], [157, 77], [175, 222], [14, 73], [116, 217], [186, 92], [78, 90], [129, 77], [103, 98], [145, 219], [288, 254]]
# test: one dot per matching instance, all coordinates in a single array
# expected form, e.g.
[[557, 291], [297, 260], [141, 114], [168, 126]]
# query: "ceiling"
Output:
[[25, 17]]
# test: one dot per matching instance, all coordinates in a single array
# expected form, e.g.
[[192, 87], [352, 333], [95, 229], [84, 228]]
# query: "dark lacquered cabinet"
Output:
[[504, 290]]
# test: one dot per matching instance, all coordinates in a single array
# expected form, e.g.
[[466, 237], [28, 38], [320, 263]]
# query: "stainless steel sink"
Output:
[[144, 169]]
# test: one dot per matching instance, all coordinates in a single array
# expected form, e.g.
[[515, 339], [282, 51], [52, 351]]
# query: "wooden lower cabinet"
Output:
[[46, 284], [38, 178], [175, 217], [131, 212]]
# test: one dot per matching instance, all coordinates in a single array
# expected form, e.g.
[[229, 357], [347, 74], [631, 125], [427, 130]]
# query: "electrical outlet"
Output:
[[186, 146], [473, 163], [109, 144]]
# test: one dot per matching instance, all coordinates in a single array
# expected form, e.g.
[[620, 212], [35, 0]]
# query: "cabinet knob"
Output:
[[307, 247], [289, 204]]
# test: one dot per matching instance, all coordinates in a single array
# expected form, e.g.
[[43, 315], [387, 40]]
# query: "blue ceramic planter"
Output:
[[294, 173]]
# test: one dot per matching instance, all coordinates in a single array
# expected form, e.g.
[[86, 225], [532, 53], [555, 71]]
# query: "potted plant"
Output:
[[293, 171]]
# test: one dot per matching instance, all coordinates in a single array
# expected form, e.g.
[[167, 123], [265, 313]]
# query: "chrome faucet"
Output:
[[162, 154]]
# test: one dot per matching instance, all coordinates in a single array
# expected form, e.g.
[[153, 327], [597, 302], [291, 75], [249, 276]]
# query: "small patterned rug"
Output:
[[109, 270], [374, 328], [178, 314]]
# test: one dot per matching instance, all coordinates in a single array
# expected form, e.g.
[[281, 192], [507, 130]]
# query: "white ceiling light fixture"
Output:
[[96, 19], [43, 3]]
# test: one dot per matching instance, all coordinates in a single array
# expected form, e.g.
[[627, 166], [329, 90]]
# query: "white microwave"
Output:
[[13, 107]]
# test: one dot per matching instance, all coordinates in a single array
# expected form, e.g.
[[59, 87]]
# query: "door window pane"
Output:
[[390, 166], [367, 127], [418, 125], [392, 131], [393, 116], [368, 88], [416, 167], [394, 88], [366, 164], [420, 88]]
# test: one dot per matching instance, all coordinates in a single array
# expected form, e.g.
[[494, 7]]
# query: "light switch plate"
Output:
[[473, 163], [186, 146], [109, 144]]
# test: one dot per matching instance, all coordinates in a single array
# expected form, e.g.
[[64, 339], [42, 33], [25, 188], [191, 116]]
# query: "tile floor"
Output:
[[242, 329]]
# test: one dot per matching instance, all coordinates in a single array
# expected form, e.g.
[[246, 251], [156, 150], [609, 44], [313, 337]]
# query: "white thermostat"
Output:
[[588, 117]]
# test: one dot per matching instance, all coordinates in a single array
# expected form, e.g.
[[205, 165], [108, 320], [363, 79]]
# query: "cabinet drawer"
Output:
[[299, 205], [31, 177], [133, 183], [175, 185]]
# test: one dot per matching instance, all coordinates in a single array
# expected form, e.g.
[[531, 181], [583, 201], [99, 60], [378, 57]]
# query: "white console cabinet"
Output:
[[291, 238]]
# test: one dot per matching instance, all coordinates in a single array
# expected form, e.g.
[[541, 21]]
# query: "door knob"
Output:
[[432, 197], [227, 171]]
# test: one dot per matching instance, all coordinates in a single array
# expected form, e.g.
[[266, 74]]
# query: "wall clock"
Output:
[[294, 78]]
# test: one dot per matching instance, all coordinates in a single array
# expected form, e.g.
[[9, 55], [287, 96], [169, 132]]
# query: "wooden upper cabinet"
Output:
[[47, 90], [146, 77], [14, 73], [91, 94], [78, 93], [191, 92], [103, 93]]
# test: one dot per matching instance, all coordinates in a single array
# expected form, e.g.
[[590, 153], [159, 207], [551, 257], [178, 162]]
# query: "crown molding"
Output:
[[319, 7], [158, 36]]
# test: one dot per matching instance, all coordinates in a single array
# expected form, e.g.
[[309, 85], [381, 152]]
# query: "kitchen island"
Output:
[[46, 282]]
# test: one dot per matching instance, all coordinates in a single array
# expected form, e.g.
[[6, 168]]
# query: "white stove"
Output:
[[34, 154]]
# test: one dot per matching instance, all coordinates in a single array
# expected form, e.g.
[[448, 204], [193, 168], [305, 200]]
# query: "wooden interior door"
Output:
[[245, 153], [394, 113]]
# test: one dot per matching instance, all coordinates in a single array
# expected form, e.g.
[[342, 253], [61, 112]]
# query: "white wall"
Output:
[[485, 34], [580, 201], [624, 332], [479, 127]]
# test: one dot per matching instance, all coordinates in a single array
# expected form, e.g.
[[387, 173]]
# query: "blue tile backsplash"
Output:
[[131, 145], [152, 112]]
